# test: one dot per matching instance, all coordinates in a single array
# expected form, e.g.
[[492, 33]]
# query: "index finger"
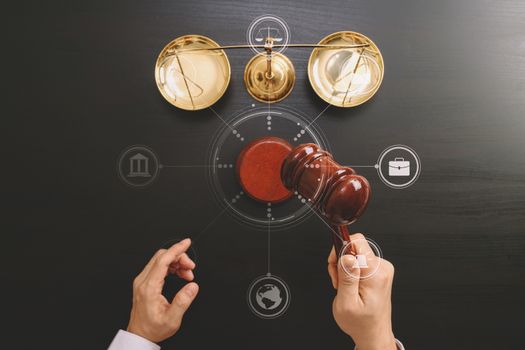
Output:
[[160, 268], [144, 273]]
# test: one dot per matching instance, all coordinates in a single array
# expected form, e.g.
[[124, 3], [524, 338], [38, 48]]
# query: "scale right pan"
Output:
[[346, 77]]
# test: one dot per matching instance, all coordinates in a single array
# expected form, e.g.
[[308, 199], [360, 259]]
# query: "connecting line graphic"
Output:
[[218, 116], [348, 166], [320, 114], [269, 246], [362, 166], [327, 225], [162, 166], [194, 239]]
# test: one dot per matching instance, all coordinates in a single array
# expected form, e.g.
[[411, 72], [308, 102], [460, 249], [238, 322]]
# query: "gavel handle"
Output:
[[342, 237]]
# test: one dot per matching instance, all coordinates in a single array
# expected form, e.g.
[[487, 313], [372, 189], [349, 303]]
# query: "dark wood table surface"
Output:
[[80, 87]]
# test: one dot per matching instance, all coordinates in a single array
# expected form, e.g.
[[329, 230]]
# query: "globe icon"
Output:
[[268, 296]]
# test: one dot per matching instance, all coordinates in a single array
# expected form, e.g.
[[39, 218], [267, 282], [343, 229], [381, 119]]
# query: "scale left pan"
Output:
[[190, 74]]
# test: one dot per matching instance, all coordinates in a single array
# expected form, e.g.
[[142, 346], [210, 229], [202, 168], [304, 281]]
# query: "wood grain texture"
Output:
[[79, 87]]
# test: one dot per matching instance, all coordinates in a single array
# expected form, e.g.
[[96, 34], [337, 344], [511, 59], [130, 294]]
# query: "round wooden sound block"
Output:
[[259, 169]]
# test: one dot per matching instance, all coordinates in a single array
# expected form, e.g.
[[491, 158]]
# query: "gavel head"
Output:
[[338, 192], [269, 170]]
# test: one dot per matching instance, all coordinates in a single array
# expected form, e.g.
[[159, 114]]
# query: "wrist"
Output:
[[137, 331], [385, 341]]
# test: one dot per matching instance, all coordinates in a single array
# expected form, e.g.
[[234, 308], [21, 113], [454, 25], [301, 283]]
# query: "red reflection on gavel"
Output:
[[269, 170]]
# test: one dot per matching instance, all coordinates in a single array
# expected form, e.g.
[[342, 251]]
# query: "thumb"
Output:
[[182, 301], [348, 275]]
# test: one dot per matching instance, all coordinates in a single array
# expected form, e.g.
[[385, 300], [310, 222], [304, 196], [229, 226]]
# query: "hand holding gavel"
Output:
[[362, 307]]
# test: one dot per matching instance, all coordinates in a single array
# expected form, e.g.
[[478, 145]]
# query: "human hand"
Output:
[[152, 316], [362, 307]]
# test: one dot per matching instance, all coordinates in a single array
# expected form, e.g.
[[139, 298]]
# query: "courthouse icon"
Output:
[[139, 166]]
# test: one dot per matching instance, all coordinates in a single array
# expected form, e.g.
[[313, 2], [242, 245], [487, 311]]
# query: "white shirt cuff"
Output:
[[129, 341], [399, 345]]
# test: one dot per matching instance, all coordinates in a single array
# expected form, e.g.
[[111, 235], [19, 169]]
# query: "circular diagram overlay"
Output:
[[268, 296], [228, 143]]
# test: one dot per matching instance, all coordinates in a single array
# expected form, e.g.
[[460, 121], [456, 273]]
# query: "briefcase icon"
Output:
[[399, 167]]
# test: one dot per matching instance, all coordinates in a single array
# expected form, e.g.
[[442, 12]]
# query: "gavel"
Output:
[[269, 170]]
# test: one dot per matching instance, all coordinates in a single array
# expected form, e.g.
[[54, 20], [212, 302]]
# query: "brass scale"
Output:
[[345, 69]]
